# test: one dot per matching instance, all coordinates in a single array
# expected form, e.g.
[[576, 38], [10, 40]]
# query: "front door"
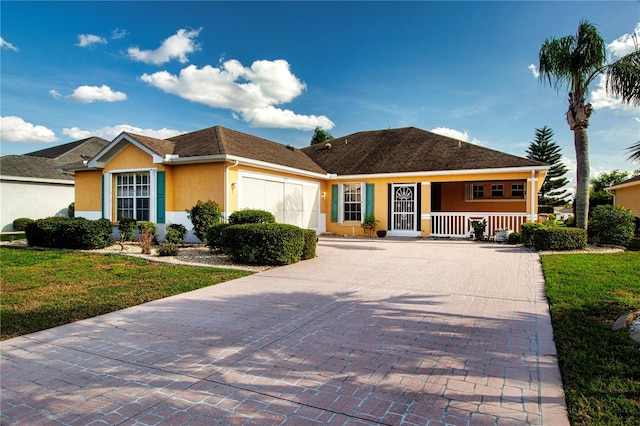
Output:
[[404, 212]]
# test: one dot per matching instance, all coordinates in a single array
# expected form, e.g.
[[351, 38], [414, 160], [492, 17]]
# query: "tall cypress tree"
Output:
[[544, 149]]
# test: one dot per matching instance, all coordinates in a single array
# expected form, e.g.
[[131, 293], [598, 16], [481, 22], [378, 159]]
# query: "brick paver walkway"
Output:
[[370, 332]]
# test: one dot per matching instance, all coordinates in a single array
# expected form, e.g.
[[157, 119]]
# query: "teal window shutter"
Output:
[[160, 197], [334, 203], [368, 207]]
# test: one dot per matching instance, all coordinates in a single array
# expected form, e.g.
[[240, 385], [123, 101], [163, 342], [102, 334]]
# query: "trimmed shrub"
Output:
[[21, 223], [71, 210], [127, 228], [168, 249], [611, 225], [570, 222], [556, 238], [72, 233], [214, 236], [175, 233], [203, 216], [310, 239], [251, 216], [514, 238], [527, 230], [263, 243]]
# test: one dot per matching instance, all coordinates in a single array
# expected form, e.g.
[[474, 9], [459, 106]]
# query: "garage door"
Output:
[[291, 201]]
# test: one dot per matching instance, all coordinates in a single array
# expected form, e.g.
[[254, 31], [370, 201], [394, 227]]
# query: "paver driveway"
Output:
[[370, 332]]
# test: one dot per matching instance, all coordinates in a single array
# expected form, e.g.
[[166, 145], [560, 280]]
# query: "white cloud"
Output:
[[85, 40], [625, 44], [55, 94], [6, 45], [534, 70], [250, 92], [118, 33], [455, 134], [175, 47], [15, 129], [600, 98], [111, 132], [89, 94]]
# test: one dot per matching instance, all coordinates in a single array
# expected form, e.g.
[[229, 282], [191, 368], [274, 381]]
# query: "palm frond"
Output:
[[623, 78], [634, 152]]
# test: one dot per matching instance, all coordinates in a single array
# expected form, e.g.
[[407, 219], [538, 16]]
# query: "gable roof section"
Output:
[[407, 150], [46, 163]]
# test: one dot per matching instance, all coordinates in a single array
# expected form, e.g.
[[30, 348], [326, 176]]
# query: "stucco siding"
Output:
[[188, 183], [629, 198], [88, 190], [33, 200]]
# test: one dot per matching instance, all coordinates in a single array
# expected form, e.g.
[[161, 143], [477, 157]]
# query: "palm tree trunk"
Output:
[[581, 142]]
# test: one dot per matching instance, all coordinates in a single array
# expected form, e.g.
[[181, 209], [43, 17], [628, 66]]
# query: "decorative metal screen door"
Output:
[[403, 209]]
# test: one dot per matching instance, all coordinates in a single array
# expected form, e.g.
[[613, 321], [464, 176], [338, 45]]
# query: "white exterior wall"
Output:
[[35, 200]]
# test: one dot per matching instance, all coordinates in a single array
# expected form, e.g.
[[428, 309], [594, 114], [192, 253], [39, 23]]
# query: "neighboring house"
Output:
[[34, 186], [416, 183], [563, 213], [627, 194]]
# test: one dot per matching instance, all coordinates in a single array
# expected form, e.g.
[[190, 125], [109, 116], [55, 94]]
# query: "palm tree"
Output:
[[574, 62]]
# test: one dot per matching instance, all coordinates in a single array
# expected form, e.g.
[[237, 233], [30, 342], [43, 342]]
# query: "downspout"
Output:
[[534, 195], [226, 189]]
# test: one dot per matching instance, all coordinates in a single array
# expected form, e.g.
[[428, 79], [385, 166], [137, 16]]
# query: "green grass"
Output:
[[44, 289], [600, 369]]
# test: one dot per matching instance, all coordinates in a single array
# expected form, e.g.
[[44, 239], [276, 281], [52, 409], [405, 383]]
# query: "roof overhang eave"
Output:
[[38, 180], [526, 169]]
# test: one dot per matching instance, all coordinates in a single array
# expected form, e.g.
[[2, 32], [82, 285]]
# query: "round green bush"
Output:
[[127, 228], [214, 236], [168, 249], [611, 225], [175, 233], [203, 216], [72, 233], [514, 238], [251, 216], [21, 223], [263, 243]]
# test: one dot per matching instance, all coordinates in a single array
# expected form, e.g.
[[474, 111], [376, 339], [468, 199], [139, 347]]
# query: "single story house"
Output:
[[563, 213], [627, 194], [34, 185], [415, 182]]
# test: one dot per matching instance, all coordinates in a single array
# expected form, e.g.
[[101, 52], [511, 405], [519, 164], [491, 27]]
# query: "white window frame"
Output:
[[109, 188], [341, 204]]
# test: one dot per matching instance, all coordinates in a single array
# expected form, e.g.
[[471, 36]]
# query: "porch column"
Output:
[[425, 208], [532, 199]]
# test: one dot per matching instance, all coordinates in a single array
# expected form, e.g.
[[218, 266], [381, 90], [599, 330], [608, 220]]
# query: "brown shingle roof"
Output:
[[407, 150], [161, 147], [220, 141]]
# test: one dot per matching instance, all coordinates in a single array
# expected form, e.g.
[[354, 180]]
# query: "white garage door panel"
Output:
[[295, 203]]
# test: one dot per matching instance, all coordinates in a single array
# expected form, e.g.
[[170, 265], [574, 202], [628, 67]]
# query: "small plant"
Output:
[[369, 225], [203, 216], [168, 249], [514, 238], [21, 223], [127, 228], [478, 226], [175, 233], [148, 231], [71, 210]]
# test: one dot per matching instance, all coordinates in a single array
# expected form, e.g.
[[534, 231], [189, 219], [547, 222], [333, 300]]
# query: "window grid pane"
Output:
[[497, 190], [133, 192], [352, 201]]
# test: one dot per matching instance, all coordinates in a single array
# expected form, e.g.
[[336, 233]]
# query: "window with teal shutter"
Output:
[[334, 203], [368, 208], [160, 199]]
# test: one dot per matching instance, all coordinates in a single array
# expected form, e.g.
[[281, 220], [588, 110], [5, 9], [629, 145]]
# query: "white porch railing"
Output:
[[458, 224]]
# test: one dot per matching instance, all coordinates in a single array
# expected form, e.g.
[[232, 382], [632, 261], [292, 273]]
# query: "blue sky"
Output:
[[71, 70]]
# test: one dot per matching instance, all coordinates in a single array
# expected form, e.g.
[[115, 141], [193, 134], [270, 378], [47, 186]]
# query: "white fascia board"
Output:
[[38, 180], [246, 162], [443, 173], [114, 144]]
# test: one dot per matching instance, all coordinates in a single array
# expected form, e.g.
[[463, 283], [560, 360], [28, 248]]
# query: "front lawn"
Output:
[[44, 289], [600, 369]]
